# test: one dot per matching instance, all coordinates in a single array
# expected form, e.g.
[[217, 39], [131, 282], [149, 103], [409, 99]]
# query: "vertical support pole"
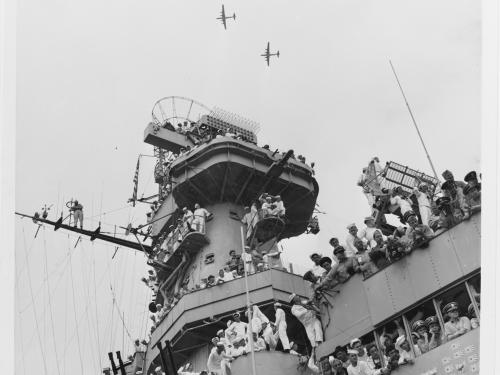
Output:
[[170, 357], [113, 365], [408, 335], [120, 362], [162, 355], [473, 301], [439, 315], [379, 347], [247, 292]]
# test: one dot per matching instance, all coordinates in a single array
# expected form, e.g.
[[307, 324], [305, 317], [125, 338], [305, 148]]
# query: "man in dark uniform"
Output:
[[472, 191], [437, 337], [447, 215]]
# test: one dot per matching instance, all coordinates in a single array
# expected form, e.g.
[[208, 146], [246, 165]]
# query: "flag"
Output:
[[136, 182]]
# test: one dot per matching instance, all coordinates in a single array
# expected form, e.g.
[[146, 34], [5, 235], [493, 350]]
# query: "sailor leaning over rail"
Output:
[[306, 314]]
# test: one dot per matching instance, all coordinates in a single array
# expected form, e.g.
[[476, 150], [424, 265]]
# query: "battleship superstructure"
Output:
[[225, 174]]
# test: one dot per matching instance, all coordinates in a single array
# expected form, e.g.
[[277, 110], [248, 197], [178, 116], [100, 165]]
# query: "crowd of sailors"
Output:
[[360, 356], [368, 250], [422, 213]]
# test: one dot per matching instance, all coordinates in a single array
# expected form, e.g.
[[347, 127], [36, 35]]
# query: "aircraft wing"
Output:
[[223, 17]]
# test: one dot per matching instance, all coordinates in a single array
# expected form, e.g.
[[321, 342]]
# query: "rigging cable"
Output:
[[65, 318], [50, 302], [34, 307], [96, 316], [118, 310], [86, 297], [21, 332], [74, 309]]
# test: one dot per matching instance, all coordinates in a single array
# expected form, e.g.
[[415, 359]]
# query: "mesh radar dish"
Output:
[[224, 120], [175, 109]]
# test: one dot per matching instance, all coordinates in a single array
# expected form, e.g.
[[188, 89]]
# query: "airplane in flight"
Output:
[[223, 17], [268, 55]]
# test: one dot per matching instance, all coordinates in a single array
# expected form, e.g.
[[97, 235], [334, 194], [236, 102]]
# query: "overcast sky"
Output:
[[89, 73]]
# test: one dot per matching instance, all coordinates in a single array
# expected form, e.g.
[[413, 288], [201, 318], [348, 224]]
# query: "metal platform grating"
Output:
[[222, 120], [396, 174]]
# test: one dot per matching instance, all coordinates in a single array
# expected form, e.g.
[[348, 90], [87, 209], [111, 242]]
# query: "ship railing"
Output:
[[286, 267], [422, 245], [255, 219], [175, 237]]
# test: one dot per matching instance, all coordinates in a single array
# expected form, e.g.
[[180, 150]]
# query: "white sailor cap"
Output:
[[351, 351], [158, 368], [291, 297], [277, 304], [353, 341], [351, 226]]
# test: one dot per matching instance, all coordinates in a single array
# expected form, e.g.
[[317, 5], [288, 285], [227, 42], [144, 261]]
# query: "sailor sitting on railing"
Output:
[[279, 207], [417, 235], [267, 205], [400, 204], [269, 336], [258, 343], [218, 361]]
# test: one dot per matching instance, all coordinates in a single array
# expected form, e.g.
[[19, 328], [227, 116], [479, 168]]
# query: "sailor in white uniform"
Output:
[[280, 324], [200, 218], [307, 316]]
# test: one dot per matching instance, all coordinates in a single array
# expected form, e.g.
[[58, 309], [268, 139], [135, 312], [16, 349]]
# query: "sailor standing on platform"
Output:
[[424, 203], [187, 217], [77, 210], [200, 217], [246, 257], [280, 324]]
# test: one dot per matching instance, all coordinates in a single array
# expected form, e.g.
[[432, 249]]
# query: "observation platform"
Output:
[[362, 305], [182, 243], [198, 315], [230, 170]]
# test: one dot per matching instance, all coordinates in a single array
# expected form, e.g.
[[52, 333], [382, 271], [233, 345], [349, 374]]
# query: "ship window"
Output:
[[454, 305], [425, 325]]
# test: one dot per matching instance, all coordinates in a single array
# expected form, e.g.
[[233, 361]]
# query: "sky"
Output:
[[89, 72]]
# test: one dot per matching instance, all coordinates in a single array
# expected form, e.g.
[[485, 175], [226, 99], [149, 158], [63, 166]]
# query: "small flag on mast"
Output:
[[136, 182]]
